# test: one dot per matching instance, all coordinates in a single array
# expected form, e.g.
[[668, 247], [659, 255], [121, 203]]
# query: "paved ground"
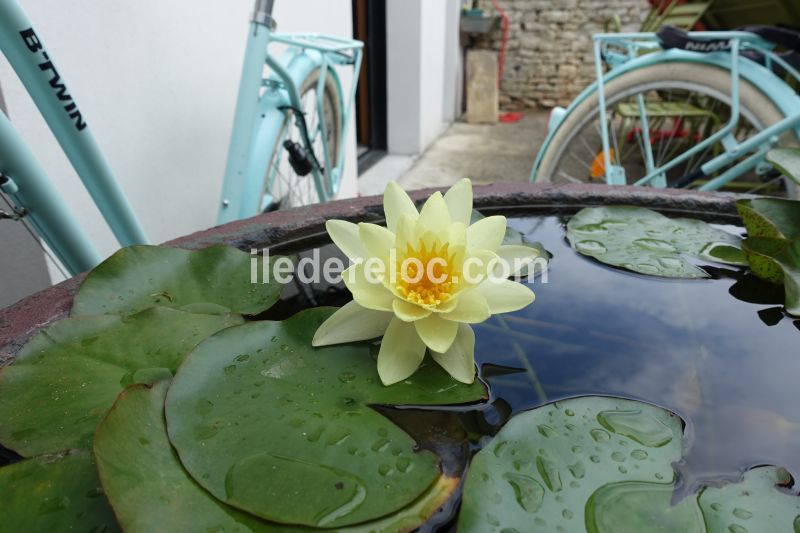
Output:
[[483, 153]]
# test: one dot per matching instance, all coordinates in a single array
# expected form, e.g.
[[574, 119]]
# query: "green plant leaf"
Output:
[[770, 217], [787, 161], [647, 242], [213, 280], [777, 261], [54, 493], [761, 253], [150, 491], [759, 502], [143, 478], [545, 464], [259, 417], [604, 464], [66, 377]]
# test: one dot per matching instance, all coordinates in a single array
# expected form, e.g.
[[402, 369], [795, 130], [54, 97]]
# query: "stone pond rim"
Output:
[[280, 229]]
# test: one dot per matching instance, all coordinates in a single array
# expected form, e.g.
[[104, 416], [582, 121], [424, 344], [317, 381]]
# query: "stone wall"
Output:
[[549, 53]]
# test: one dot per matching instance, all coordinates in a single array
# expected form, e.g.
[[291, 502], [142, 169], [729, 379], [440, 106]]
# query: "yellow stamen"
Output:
[[435, 283]]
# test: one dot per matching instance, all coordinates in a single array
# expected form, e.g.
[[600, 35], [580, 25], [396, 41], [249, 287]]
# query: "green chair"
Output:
[[673, 13]]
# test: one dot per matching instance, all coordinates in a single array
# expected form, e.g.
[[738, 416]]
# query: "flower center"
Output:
[[427, 276]]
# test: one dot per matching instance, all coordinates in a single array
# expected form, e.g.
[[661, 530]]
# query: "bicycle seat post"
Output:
[[262, 13]]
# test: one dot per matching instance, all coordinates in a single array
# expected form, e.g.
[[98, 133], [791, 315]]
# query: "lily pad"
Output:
[[67, 377], [759, 502], [54, 493], [150, 491], [777, 261], [213, 280], [787, 160], [770, 217], [604, 464], [270, 425], [647, 242], [542, 468]]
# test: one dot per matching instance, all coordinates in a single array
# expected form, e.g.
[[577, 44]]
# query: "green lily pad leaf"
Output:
[[605, 464], [759, 502], [634, 506], [647, 242], [770, 217], [143, 478], [54, 493], [777, 261], [259, 417], [67, 377], [140, 471], [213, 280], [761, 253], [544, 466], [787, 161]]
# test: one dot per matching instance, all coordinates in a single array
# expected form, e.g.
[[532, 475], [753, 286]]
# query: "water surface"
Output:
[[718, 352]]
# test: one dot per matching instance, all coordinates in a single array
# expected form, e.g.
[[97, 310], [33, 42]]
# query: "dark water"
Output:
[[728, 367], [718, 352]]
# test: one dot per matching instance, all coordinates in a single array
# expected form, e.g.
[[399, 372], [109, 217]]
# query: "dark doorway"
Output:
[[369, 26]]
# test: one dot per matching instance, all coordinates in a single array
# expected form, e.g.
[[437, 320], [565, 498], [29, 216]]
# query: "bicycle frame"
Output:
[[622, 52], [24, 180], [260, 110], [254, 131]]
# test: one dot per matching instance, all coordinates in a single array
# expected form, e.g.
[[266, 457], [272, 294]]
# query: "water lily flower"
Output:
[[423, 279]]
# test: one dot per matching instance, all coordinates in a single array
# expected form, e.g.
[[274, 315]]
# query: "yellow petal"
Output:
[[470, 308], [459, 201], [459, 359], [434, 215], [475, 268], [457, 235], [396, 203], [504, 296], [352, 323], [401, 352], [437, 334], [345, 236], [370, 295], [515, 257], [377, 240], [408, 312], [487, 233], [405, 233]]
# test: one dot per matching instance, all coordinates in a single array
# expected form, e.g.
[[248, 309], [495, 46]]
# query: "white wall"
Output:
[[422, 50], [157, 81]]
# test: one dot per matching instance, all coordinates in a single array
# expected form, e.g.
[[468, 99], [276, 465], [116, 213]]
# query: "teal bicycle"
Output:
[[286, 150], [677, 109]]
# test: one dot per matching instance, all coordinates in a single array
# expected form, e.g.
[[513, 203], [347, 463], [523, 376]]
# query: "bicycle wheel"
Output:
[[685, 103], [285, 187]]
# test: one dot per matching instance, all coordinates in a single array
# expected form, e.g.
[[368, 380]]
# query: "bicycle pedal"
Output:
[[299, 158]]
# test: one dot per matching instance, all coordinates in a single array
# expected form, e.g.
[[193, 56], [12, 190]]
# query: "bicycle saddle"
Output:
[[788, 38]]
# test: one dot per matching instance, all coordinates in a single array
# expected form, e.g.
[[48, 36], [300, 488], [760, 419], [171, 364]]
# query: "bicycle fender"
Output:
[[784, 98]]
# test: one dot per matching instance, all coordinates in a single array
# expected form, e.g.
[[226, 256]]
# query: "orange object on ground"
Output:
[[599, 164], [510, 117]]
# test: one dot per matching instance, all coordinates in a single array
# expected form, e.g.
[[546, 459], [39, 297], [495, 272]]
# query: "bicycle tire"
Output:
[[707, 79], [279, 157]]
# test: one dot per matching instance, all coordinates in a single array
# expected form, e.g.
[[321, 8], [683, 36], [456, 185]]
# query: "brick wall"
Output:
[[549, 53]]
